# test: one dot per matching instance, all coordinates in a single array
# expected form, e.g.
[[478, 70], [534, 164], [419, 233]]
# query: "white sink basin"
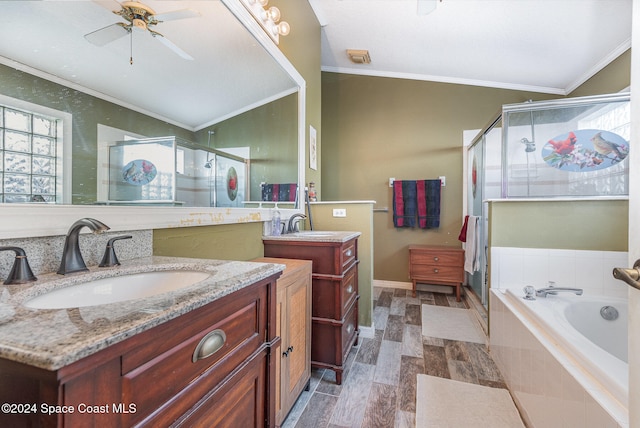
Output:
[[116, 289]]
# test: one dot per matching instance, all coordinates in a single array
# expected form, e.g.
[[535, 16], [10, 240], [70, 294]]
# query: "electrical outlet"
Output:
[[391, 180], [339, 212], [443, 180]]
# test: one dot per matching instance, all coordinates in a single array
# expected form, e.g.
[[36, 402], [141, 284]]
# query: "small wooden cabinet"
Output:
[[162, 377], [334, 296], [293, 325], [438, 265]]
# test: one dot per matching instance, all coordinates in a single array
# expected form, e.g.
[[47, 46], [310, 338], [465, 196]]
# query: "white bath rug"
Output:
[[451, 323], [446, 403]]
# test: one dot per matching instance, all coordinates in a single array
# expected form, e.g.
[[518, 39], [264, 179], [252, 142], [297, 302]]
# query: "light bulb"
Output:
[[284, 28], [274, 13]]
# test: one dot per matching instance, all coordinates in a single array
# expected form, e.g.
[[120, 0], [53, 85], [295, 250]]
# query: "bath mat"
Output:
[[450, 403], [451, 323]]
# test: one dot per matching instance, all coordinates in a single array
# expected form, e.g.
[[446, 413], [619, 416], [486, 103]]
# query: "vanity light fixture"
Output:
[[268, 18]]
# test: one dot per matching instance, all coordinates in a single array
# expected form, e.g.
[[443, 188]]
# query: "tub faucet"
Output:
[[293, 224], [72, 260], [544, 292]]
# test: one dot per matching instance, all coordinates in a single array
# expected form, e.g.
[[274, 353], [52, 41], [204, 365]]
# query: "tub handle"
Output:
[[630, 276]]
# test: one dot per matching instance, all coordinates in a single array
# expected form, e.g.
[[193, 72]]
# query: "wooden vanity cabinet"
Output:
[[156, 378], [334, 308], [293, 326]]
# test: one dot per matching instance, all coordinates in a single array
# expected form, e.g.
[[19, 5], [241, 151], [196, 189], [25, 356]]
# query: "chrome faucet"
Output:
[[544, 292], [72, 260], [293, 224]]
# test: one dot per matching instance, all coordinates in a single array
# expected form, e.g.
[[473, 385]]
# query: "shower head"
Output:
[[208, 164], [530, 146]]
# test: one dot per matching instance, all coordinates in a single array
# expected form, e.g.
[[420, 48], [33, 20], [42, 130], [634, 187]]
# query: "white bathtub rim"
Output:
[[616, 408]]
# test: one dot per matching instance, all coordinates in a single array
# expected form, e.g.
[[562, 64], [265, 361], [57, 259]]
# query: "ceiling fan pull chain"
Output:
[[131, 47]]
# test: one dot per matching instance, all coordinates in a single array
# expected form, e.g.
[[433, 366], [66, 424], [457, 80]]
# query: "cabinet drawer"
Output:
[[349, 330], [349, 253], [439, 273], [333, 294], [436, 258], [163, 377]]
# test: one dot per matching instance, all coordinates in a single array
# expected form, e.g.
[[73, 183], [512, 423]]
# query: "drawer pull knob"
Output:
[[436, 259], [435, 270], [349, 252], [350, 289], [209, 345]]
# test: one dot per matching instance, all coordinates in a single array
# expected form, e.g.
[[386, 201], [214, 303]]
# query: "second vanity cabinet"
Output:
[[293, 325], [334, 292], [212, 366]]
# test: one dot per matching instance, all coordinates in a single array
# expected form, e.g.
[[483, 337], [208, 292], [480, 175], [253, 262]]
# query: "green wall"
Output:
[[597, 225], [375, 128]]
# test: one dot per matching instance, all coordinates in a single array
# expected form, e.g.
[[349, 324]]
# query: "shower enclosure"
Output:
[[570, 148], [172, 171]]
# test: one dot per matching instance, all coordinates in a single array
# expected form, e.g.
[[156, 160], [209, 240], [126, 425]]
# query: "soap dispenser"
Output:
[[276, 223]]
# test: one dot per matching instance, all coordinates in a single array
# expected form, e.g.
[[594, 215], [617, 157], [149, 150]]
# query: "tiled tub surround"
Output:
[[549, 385], [51, 339], [589, 270], [552, 387]]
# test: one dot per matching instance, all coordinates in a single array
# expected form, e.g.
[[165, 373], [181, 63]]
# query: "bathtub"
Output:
[[562, 336]]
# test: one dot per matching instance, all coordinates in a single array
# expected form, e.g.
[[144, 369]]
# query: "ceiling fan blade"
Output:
[[176, 14], [168, 43], [107, 34], [425, 7]]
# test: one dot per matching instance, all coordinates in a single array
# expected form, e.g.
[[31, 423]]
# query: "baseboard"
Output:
[[409, 286], [367, 331], [392, 284]]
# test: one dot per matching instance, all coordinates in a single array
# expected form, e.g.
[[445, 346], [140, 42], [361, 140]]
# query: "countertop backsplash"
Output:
[[44, 253]]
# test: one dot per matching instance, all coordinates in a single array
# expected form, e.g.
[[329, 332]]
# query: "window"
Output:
[[30, 167]]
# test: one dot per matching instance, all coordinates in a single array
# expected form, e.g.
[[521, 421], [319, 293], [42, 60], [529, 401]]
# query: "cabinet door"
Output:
[[299, 344], [239, 403]]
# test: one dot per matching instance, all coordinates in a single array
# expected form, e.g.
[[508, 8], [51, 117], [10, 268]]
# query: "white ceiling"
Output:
[[549, 46], [223, 78]]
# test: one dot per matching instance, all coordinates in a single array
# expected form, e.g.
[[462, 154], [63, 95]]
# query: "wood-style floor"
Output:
[[379, 385]]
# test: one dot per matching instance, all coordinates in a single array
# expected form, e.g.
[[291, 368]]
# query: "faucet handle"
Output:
[[21, 271], [110, 259], [529, 292]]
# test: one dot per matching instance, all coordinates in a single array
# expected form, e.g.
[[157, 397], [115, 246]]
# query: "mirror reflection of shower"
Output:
[[210, 165], [529, 149]]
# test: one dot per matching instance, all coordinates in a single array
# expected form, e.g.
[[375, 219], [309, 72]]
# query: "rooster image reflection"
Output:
[[605, 147]]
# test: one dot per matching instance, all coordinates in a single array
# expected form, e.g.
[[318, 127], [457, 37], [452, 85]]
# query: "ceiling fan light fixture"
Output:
[[359, 56]]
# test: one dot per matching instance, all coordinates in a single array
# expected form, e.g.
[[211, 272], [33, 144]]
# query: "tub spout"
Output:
[[544, 292]]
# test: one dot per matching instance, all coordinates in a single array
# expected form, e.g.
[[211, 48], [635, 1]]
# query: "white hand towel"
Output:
[[472, 247]]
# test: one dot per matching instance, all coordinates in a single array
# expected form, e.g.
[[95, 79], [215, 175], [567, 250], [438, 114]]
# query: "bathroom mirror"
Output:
[[236, 91]]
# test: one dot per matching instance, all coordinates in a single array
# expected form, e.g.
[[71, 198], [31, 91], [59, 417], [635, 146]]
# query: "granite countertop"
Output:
[[54, 338], [315, 236]]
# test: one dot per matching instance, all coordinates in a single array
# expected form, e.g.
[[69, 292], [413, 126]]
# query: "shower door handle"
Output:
[[630, 276]]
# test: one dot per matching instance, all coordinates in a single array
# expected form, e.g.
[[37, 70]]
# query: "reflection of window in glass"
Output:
[[29, 145], [180, 161], [616, 118]]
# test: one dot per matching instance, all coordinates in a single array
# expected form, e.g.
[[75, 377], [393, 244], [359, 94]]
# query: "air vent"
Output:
[[359, 56]]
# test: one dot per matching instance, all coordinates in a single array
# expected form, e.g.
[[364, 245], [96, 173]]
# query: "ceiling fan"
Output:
[[140, 17]]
